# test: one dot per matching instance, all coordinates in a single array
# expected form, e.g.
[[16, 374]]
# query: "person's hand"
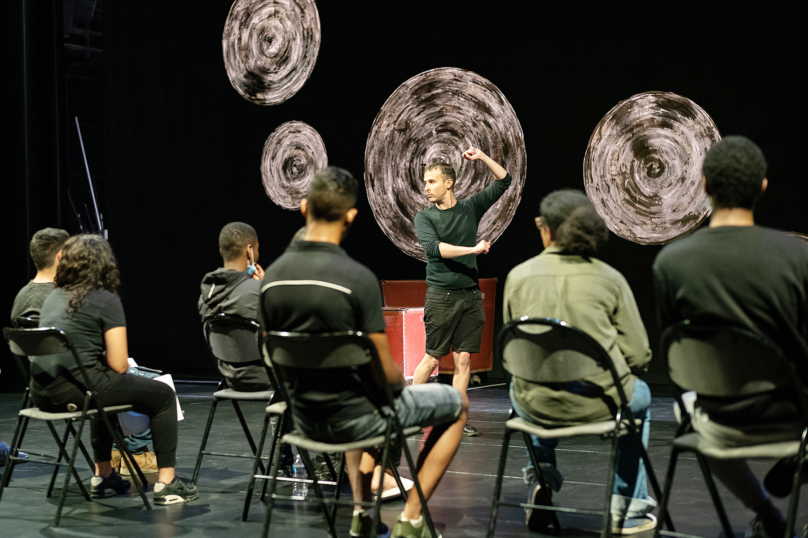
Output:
[[482, 247], [472, 154], [259, 272]]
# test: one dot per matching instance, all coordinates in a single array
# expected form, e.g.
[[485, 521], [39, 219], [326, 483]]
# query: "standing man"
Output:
[[453, 313]]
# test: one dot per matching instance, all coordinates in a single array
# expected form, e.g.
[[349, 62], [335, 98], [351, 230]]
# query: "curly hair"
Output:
[[577, 228], [87, 264], [734, 169], [45, 245]]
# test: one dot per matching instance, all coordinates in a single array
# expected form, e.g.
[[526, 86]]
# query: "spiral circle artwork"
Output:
[[437, 115], [270, 47], [292, 154], [642, 168]]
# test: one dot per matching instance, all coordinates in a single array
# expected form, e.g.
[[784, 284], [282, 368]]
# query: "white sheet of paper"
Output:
[[168, 380]]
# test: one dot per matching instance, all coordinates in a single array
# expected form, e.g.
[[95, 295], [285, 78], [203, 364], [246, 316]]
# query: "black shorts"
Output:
[[454, 320]]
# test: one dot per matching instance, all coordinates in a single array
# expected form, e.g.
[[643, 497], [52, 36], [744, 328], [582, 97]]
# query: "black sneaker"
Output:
[[101, 487], [780, 479], [540, 520], [470, 431], [175, 492]]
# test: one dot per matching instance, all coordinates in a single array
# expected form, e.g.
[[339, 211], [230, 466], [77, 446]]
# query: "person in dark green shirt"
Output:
[[453, 313]]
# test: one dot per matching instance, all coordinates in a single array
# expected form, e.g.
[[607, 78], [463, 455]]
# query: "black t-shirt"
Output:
[[750, 277], [101, 311], [29, 300], [316, 288]]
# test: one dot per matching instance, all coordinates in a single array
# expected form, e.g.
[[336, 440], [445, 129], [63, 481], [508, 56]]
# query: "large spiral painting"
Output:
[[642, 168], [292, 154], [436, 116], [270, 47]]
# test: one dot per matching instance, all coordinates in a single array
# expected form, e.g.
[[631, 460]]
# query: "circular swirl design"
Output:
[[437, 115], [270, 47], [642, 168], [292, 154]]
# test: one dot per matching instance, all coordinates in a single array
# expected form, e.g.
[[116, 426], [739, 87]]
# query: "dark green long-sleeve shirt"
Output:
[[455, 226]]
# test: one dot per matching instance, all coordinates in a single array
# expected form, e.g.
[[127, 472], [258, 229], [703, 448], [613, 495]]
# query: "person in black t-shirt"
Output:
[[85, 305], [735, 273], [315, 287], [46, 251]]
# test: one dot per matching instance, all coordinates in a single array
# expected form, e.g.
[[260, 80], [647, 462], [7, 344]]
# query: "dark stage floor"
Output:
[[460, 507]]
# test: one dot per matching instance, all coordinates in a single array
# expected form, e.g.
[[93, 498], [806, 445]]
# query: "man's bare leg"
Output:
[[436, 458], [462, 370], [359, 466], [427, 366]]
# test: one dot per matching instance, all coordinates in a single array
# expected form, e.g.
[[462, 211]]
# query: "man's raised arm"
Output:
[[474, 154]]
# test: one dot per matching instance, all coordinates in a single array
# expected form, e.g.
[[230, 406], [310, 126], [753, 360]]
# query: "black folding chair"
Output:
[[726, 362], [545, 350], [232, 339], [45, 341], [290, 353]]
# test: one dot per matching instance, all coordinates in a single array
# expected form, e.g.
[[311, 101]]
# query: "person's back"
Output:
[[46, 251]]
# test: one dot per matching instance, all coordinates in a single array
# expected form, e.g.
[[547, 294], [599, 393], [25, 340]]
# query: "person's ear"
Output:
[[59, 254], [449, 184], [351, 215], [304, 206], [763, 186]]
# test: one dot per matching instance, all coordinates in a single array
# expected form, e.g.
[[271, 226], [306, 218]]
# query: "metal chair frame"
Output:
[[684, 330], [624, 424], [50, 341], [386, 407]]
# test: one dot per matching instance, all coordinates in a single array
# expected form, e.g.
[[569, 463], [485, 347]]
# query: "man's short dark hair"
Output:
[[734, 169], [45, 245], [558, 205], [331, 194], [446, 169], [234, 237]]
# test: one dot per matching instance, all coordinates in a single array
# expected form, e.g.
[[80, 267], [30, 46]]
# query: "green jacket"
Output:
[[594, 297]]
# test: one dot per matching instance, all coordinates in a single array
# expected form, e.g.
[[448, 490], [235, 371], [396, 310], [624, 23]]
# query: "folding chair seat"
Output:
[[727, 362], [553, 351], [45, 341]]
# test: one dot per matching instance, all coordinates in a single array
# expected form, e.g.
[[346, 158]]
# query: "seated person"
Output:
[[86, 306], [567, 281], [735, 273], [316, 287], [46, 251], [235, 290]]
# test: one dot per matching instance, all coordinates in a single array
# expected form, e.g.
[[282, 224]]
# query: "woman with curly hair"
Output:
[[85, 304]]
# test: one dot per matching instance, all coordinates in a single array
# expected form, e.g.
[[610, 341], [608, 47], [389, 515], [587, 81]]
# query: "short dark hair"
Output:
[[234, 237], [577, 227], [44, 246], [734, 169], [558, 205], [332, 193], [446, 169]]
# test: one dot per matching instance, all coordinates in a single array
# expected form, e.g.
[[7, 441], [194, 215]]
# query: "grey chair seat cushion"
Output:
[[594, 428], [693, 442], [298, 440], [230, 394], [37, 414], [276, 408]]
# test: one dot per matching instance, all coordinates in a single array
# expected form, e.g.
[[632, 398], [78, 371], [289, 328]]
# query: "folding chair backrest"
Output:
[[49, 347], [545, 350], [723, 362], [24, 323], [232, 339]]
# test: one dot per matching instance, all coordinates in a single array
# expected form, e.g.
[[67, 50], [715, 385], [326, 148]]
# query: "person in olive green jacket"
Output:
[[566, 281]]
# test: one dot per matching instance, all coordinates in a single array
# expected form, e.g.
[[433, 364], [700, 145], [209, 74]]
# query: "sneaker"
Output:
[[101, 487], [411, 529], [757, 529], [470, 431], [780, 479], [633, 525], [362, 525], [175, 492], [147, 461], [536, 519], [394, 492]]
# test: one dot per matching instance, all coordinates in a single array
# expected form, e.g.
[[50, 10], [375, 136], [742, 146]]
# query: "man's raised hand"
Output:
[[472, 154], [482, 247]]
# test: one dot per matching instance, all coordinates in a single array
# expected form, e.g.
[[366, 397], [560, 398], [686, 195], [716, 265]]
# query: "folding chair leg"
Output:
[[414, 471], [606, 531], [15, 444], [666, 518], [540, 475], [276, 463], [256, 460], [276, 439], [64, 455], [795, 491], [58, 458], [719, 506], [204, 440], [503, 458], [90, 462], [397, 476], [318, 491], [72, 460], [246, 429], [126, 457], [663, 509], [341, 479], [385, 455]]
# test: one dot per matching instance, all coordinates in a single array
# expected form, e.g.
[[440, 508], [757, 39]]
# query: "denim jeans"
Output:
[[630, 494]]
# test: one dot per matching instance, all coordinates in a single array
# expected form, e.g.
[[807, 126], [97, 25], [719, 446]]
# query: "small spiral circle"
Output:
[[642, 168], [436, 116], [292, 154], [270, 47]]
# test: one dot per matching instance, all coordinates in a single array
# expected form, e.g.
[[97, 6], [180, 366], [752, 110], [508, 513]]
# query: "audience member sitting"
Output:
[[737, 274], [316, 287], [235, 290], [86, 306], [566, 281]]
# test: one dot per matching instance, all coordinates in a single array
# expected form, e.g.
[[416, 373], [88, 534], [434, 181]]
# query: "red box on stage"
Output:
[[404, 315]]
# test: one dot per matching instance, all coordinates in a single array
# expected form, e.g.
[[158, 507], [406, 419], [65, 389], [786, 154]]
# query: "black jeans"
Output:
[[147, 396]]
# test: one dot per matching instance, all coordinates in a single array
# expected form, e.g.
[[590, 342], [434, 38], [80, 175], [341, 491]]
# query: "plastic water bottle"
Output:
[[299, 489]]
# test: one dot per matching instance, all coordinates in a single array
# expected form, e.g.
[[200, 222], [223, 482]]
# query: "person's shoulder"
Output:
[[680, 247], [608, 273], [525, 269], [102, 297], [789, 244], [360, 274]]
